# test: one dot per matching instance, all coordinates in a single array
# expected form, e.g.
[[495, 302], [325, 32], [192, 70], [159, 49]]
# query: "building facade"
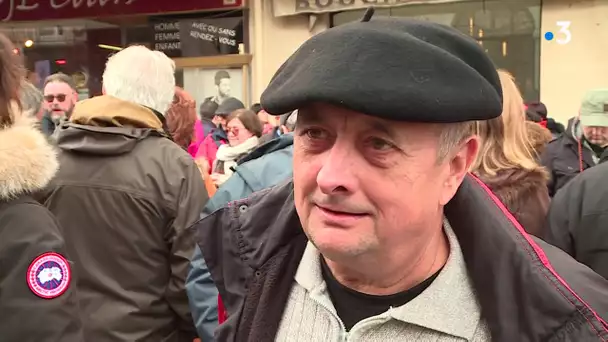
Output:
[[206, 39], [556, 71], [249, 39]]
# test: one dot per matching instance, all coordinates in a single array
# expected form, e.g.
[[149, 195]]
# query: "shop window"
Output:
[[204, 49], [196, 35], [210, 84], [80, 47], [509, 32], [71, 47]]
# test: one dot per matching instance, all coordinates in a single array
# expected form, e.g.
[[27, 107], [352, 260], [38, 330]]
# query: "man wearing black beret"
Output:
[[382, 235]]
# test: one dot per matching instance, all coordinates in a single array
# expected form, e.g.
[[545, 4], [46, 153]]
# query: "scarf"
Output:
[[227, 156]]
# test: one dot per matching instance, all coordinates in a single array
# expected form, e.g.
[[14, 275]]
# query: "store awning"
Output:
[[283, 8]]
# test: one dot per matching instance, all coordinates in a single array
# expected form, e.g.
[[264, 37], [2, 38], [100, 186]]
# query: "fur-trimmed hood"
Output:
[[28, 162], [525, 194]]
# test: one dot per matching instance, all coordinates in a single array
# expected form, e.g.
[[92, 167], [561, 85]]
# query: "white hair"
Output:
[[140, 75]]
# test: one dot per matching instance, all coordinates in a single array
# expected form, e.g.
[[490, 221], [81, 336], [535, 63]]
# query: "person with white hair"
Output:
[[126, 195]]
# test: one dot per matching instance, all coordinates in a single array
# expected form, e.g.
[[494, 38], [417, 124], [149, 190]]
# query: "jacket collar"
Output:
[[27, 161], [109, 111]]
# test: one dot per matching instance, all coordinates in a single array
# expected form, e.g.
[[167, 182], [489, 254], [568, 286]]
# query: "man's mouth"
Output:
[[339, 212]]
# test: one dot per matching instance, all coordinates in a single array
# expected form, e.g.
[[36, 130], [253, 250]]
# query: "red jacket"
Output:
[[208, 148], [222, 315]]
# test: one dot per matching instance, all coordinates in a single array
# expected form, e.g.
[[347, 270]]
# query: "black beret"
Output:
[[539, 108], [393, 68]]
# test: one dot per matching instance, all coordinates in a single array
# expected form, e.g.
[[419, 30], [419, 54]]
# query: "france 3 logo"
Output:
[[564, 34]]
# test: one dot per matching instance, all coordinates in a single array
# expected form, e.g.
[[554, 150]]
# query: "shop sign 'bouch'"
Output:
[[31, 10], [286, 7]]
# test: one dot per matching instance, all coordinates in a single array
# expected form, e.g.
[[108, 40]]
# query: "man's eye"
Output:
[[379, 144], [315, 133]]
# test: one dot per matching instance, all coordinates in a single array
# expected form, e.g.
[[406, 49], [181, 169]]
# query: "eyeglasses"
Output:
[[233, 130], [51, 98]]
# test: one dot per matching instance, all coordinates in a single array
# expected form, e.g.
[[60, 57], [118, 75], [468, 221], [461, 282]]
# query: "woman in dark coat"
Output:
[[37, 295]]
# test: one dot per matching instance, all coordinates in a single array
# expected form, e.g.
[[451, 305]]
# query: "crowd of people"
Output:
[[431, 204]]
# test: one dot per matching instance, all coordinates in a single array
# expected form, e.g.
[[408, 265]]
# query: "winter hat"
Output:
[[538, 108], [207, 109], [594, 109], [393, 68], [533, 116], [228, 106]]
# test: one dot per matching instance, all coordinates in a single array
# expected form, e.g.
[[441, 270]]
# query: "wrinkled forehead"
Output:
[[55, 88], [326, 114]]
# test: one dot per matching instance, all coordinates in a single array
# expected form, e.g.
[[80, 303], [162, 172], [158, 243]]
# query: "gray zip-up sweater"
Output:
[[446, 311]]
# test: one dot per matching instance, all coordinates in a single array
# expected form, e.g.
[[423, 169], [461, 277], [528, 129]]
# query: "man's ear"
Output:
[[103, 90], [458, 165]]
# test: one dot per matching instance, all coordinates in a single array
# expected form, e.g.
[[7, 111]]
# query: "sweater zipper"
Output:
[[344, 333]]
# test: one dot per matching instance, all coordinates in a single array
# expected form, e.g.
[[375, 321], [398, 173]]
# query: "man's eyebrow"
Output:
[[308, 116], [311, 116], [384, 128]]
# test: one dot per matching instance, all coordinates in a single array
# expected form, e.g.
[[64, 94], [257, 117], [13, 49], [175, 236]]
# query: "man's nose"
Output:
[[338, 173]]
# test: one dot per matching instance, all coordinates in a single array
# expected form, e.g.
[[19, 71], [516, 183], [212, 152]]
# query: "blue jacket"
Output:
[[268, 165]]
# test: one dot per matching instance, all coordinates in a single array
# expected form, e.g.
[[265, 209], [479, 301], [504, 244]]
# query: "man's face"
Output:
[[219, 120], [224, 87], [59, 99], [364, 185], [596, 135], [263, 116]]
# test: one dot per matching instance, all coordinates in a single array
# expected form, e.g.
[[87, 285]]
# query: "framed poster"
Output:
[[215, 77], [217, 85]]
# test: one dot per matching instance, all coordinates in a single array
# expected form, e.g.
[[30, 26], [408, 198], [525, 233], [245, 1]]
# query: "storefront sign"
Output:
[[292, 7], [30, 10], [198, 37], [207, 37], [167, 37]]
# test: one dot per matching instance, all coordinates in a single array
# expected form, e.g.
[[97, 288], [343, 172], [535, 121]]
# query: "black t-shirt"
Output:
[[353, 306]]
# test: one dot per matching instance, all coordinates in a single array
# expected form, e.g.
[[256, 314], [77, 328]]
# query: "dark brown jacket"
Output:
[[526, 196], [539, 137], [127, 196], [27, 232]]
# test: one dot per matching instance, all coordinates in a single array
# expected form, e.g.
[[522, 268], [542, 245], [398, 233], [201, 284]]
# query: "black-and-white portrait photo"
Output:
[[214, 84]]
